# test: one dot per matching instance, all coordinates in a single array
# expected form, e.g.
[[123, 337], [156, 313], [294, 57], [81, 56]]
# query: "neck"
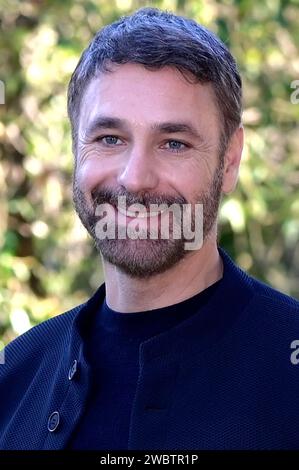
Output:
[[194, 273]]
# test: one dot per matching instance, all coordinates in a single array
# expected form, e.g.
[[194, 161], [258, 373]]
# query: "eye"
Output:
[[176, 145], [108, 140]]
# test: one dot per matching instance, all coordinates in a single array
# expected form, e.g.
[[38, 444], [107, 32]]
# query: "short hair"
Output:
[[154, 39]]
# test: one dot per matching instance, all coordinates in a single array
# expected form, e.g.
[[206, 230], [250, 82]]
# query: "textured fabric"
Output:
[[221, 379], [113, 355]]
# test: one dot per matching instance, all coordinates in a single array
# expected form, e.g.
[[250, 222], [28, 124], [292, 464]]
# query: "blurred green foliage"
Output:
[[47, 263]]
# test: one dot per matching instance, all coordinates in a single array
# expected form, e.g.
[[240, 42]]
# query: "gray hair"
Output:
[[154, 39]]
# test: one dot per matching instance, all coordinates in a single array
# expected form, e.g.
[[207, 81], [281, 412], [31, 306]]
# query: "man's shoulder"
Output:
[[59, 324], [259, 294], [49, 337], [274, 307], [271, 296]]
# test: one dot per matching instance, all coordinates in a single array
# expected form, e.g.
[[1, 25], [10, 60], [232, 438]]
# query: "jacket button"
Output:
[[53, 421], [73, 369]]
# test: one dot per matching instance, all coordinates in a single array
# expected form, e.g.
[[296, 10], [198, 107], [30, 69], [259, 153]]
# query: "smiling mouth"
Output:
[[138, 214]]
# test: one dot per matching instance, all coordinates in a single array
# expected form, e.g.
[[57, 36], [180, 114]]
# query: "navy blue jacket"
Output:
[[221, 379]]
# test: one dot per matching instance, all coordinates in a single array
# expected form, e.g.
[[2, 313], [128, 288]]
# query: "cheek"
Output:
[[186, 180], [91, 174], [179, 186]]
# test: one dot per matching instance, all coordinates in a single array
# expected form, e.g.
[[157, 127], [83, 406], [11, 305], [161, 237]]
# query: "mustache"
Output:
[[110, 196]]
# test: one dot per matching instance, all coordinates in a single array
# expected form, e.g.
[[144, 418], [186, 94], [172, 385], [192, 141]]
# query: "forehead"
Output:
[[141, 96]]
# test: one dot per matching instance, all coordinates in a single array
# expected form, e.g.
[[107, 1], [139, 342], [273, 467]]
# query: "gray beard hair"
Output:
[[142, 258]]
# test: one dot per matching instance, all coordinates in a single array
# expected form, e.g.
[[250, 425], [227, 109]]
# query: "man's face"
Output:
[[152, 137]]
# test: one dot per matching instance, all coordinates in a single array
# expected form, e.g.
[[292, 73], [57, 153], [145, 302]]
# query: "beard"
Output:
[[144, 257]]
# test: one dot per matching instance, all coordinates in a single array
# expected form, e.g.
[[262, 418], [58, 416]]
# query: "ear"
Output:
[[232, 160]]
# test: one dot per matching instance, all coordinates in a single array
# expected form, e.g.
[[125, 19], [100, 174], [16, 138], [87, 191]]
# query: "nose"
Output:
[[138, 172]]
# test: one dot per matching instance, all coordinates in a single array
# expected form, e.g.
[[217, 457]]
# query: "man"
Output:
[[179, 348]]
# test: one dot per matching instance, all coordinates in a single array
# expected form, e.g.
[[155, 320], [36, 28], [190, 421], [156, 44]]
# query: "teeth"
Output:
[[139, 213]]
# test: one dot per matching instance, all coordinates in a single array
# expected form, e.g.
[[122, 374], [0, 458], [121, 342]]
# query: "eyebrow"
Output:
[[177, 127], [104, 122], [109, 122]]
